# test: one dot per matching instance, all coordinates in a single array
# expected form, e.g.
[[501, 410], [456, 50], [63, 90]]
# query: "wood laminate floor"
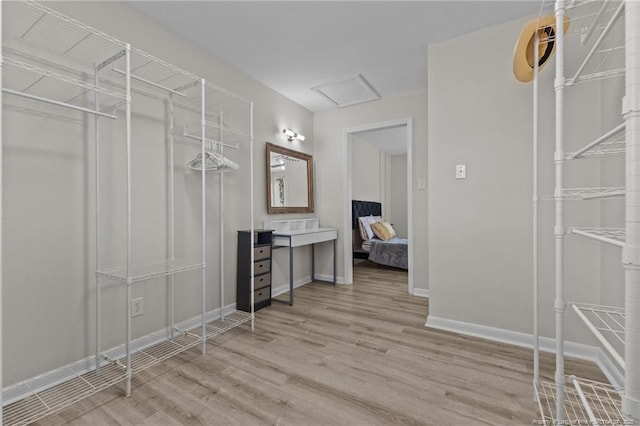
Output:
[[342, 355]]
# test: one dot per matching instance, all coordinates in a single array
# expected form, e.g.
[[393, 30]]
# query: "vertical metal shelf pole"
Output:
[[252, 242], [221, 182], [1, 68], [631, 250], [172, 228], [96, 130], [203, 122], [559, 230], [534, 231], [127, 53]]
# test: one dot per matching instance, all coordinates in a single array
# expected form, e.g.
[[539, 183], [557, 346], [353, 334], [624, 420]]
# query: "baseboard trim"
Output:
[[22, 389], [277, 290], [547, 344], [284, 288], [329, 278], [421, 292]]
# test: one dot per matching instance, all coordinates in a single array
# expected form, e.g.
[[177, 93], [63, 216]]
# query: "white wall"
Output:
[[48, 252], [397, 193], [368, 171], [329, 151], [480, 228]]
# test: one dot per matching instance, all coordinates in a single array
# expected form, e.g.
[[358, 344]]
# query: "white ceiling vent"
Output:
[[351, 91]]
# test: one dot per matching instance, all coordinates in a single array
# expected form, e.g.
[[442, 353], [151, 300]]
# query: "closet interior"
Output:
[[50, 58]]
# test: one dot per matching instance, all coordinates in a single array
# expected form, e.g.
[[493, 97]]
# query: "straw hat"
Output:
[[523, 52]]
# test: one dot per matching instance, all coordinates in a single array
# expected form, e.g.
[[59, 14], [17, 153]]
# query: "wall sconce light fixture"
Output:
[[291, 135]]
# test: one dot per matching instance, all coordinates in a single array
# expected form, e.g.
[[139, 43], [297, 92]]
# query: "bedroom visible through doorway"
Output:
[[378, 161]]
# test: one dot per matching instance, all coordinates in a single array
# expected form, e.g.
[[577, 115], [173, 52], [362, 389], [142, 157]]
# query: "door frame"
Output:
[[347, 191]]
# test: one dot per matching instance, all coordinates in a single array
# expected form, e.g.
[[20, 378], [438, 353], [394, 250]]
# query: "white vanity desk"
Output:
[[301, 232]]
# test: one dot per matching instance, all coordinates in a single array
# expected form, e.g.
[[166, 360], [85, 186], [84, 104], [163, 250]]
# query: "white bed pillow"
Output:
[[366, 222]]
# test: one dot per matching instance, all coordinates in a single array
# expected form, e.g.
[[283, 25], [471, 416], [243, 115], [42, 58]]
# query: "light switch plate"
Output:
[[422, 183], [461, 171]]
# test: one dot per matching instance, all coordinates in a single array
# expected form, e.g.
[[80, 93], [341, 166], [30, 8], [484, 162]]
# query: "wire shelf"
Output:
[[597, 26], [590, 193], [219, 326], [34, 27], [608, 319], [214, 95], [152, 355], [151, 270], [24, 69], [611, 143], [602, 401], [600, 28], [213, 131], [606, 323], [37, 26], [593, 193], [48, 395], [613, 236]]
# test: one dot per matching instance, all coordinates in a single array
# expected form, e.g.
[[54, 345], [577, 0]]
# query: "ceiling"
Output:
[[391, 140], [294, 46]]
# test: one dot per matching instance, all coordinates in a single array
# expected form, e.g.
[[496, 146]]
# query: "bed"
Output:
[[393, 252]]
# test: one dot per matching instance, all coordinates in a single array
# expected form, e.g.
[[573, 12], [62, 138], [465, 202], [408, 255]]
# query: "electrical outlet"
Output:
[[461, 171], [137, 307]]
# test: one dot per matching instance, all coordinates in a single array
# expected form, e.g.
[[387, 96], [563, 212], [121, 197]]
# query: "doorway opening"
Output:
[[393, 141]]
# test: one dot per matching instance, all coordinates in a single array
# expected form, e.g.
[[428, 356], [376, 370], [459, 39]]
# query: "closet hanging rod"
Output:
[[151, 83], [58, 103], [593, 50], [198, 138]]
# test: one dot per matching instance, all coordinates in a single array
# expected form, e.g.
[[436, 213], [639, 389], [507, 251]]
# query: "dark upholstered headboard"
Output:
[[364, 208]]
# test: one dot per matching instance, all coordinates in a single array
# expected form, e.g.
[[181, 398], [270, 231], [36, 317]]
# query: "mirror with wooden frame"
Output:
[[289, 180]]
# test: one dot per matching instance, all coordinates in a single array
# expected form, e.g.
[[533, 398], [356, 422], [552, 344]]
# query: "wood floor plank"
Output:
[[342, 355]]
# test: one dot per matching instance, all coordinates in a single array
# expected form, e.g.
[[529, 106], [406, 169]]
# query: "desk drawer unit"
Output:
[[261, 269], [262, 281], [261, 253], [262, 295]]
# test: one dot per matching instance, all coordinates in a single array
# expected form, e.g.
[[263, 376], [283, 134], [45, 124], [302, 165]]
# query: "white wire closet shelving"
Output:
[[51, 58], [607, 38], [590, 193], [585, 402], [51, 393], [150, 271], [613, 236], [609, 144], [596, 23], [47, 394], [606, 323], [593, 193]]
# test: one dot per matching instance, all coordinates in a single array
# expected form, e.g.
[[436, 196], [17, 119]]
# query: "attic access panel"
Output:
[[354, 90]]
